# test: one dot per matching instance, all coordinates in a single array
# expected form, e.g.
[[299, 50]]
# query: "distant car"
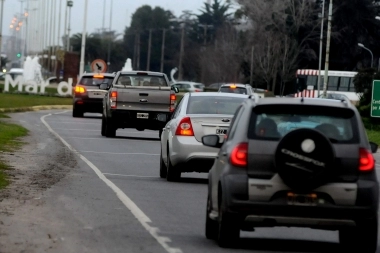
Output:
[[14, 72], [336, 96], [196, 115], [245, 89], [189, 86], [294, 163], [87, 95], [215, 86]]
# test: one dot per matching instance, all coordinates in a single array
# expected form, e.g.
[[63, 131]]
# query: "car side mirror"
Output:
[[104, 86], [374, 147], [211, 141], [176, 90]]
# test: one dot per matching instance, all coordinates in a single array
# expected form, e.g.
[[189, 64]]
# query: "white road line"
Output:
[[111, 139], [135, 210], [120, 175], [118, 153], [74, 122], [97, 130]]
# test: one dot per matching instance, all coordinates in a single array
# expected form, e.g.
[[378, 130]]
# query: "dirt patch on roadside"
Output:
[[38, 165]]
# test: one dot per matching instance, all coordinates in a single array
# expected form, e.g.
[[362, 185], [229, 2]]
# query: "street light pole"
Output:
[[321, 47], [83, 49], [70, 4], [163, 50], [1, 29], [109, 35], [325, 79], [180, 68], [362, 46]]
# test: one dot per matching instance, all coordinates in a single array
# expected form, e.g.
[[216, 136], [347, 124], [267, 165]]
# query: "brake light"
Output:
[[80, 89], [233, 86], [172, 102], [366, 160], [185, 128], [113, 99], [239, 155]]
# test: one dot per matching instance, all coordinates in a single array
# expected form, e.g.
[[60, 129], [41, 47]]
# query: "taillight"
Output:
[[172, 102], [113, 99], [366, 160], [239, 155], [185, 128], [80, 89]]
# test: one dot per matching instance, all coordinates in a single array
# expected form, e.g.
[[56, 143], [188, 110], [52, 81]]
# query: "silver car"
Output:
[[189, 86], [196, 115]]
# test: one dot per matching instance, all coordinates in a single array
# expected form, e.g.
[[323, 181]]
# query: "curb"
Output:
[[37, 108]]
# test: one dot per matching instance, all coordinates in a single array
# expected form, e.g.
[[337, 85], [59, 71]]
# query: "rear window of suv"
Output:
[[237, 90], [275, 121], [95, 81], [140, 80]]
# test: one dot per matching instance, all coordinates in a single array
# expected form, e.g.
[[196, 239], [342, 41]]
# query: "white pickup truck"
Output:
[[137, 99]]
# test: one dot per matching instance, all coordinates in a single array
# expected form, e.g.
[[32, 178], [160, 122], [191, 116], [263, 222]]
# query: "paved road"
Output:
[[114, 200]]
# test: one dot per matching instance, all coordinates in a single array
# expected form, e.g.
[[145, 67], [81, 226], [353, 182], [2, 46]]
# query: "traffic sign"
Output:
[[375, 101], [99, 66]]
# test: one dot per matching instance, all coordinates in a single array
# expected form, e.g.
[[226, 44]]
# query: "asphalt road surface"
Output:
[[113, 200]]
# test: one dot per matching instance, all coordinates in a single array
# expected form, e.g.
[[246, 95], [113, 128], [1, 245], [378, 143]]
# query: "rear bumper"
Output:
[[277, 211], [190, 155], [88, 105], [128, 119]]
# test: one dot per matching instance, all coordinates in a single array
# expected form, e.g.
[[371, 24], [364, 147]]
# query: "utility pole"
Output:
[[163, 50], [321, 47], [325, 80], [149, 50], [180, 68], [252, 55], [70, 5], [109, 41], [50, 36], [1, 29], [65, 27], [138, 52], [83, 49]]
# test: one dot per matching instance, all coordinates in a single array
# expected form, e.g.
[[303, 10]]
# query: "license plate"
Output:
[[143, 115], [302, 199], [221, 131]]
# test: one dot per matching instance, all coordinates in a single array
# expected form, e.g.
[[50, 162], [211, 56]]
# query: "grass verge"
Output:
[[8, 100], [9, 134]]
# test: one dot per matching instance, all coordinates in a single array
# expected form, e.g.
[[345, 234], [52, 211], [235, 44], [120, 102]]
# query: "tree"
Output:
[[282, 30], [136, 37]]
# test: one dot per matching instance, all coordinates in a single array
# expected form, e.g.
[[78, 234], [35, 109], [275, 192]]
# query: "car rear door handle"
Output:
[[224, 154], [168, 127]]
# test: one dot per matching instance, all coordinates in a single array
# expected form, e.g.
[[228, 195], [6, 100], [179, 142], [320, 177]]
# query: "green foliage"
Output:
[[9, 134], [363, 84], [17, 100]]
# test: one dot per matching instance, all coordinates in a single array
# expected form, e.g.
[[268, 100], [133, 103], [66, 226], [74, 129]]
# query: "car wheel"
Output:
[[163, 169], [362, 238], [77, 113], [211, 225], [103, 126], [172, 173], [110, 129], [229, 230]]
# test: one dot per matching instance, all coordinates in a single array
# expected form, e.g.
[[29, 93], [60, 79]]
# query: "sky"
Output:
[[121, 12]]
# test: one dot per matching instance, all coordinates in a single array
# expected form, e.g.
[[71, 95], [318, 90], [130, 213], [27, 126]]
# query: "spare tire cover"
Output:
[[304, 159]]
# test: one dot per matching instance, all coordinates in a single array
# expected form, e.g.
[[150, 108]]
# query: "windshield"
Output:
[[335, 123], [140, 80], [237, 90], [92, 81], [213, 105]]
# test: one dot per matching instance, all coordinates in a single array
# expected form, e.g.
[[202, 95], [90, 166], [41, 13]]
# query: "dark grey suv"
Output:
[[295, 163]]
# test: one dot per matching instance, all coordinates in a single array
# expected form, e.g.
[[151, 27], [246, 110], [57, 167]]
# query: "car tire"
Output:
[[212, 226], [362, 238], [172, 174], [228, 228], [163, 169], [110, 130], [103, 132], [77, 113]]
